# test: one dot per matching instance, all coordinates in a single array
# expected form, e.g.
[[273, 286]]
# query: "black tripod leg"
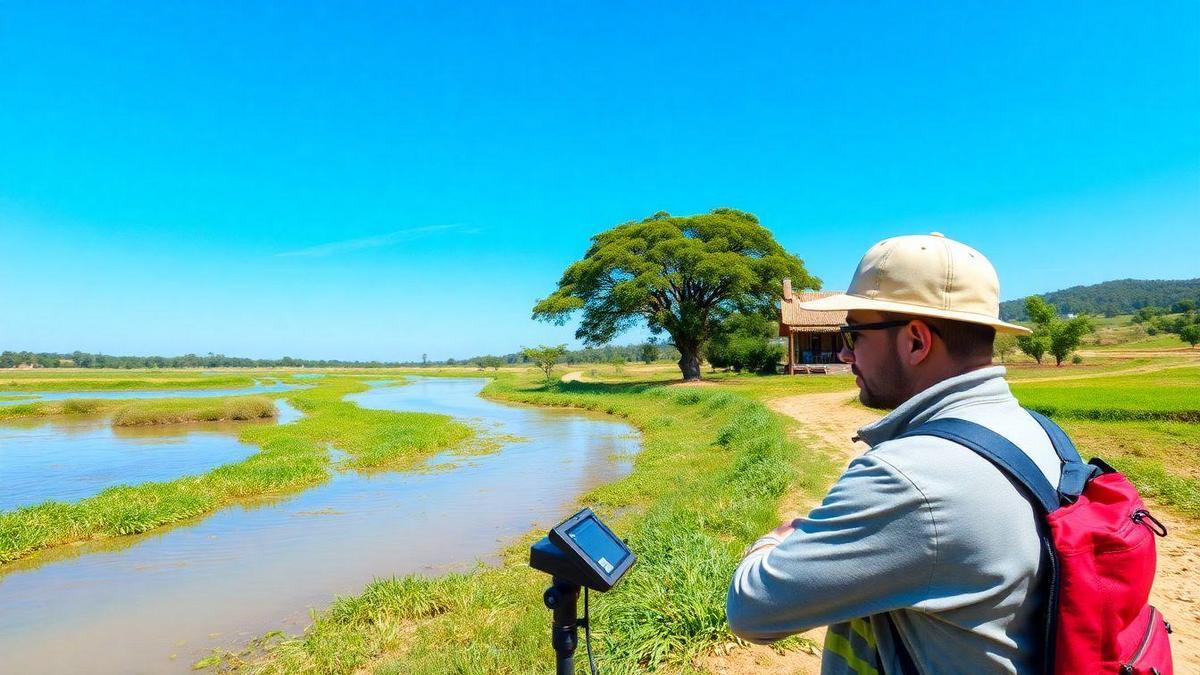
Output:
[[563, 599]]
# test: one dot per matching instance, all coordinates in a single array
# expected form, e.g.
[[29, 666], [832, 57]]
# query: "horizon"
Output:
[[377, 183]]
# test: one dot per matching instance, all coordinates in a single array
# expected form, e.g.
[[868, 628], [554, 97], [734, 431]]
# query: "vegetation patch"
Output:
[[1161, 458], [76, 381], [177, 410], [702, 487], [1159, 395], [292, 457]]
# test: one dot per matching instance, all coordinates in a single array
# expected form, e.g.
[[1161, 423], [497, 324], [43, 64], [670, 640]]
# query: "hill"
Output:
[[1123, 296]]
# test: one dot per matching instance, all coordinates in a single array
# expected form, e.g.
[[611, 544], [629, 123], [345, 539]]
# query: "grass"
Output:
[[68, 379], [1161, 458], [177, 410], [292, 457], [1170, 395], [714, 466]]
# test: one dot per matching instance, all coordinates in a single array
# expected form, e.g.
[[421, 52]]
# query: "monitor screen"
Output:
[[598, 544]]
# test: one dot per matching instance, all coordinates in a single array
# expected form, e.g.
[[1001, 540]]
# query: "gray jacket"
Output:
[[918, 532]]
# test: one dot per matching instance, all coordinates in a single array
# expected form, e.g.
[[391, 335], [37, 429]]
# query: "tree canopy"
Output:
[[680, 275], [1057, 336], [544, 357]]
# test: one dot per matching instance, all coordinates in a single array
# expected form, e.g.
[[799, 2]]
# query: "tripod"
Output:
[[563, 599]]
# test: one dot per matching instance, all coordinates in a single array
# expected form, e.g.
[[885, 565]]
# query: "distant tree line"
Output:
[[11, 359], [1123, 296], [646, 352]]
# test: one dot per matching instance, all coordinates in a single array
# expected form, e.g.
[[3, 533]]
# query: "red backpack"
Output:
[[1098, 538]]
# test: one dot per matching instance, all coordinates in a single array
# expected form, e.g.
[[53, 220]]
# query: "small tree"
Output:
[[544, 357], [1191, 334], [649, 352], [618, 364], [1052, 334], [1065, 336], [493, 362], [1005, 344], [1035, 345]]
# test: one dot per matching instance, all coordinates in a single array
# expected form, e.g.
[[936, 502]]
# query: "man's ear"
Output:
[[920, 341]]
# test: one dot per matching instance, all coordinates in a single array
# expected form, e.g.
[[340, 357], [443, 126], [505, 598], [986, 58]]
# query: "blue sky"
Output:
[[382, 180]]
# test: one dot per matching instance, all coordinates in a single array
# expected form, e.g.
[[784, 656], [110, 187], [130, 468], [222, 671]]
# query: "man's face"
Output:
[[882, 380]]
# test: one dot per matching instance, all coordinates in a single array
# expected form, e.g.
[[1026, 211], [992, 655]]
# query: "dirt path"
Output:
[[829, 421]]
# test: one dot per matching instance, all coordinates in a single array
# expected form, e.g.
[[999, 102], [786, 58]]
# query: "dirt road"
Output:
[[829, 420]]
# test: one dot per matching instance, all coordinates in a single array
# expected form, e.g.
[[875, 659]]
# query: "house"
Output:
[[812, 338]]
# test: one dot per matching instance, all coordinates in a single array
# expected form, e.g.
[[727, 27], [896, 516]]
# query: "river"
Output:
[[156, 603]]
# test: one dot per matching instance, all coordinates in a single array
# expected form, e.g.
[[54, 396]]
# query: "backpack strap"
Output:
[[1075, 474], [999, 451], [1020, 468]]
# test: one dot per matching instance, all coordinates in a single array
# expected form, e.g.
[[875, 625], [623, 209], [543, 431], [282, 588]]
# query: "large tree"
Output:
[[680, 275]]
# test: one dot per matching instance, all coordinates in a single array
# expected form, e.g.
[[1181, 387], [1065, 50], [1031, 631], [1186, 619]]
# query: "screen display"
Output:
[[598, 544]]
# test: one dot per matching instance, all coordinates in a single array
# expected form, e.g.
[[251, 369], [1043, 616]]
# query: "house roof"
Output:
[[807, 320]]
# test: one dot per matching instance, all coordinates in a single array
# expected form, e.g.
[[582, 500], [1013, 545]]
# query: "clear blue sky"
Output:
[[382, 180]]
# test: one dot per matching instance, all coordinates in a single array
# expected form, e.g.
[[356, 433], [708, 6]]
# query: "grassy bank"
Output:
[[177, 410], [69, 406], [67, 379], [709, 478], [292, 457]]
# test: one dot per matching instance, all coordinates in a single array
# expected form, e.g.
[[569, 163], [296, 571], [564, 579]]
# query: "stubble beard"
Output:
[[884, 390]]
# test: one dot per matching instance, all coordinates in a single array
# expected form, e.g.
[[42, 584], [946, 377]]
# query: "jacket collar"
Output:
[[976, 386]]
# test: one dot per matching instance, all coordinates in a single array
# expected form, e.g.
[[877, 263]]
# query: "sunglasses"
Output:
[[850, 331]]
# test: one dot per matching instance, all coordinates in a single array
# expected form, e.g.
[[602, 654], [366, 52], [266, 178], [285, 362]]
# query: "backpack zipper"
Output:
[[1127, 668], [1141, 516]]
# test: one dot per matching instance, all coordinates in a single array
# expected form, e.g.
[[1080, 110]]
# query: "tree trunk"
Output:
[[689, 362]]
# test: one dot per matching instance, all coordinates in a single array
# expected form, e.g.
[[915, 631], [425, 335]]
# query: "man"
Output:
[[923, 557]]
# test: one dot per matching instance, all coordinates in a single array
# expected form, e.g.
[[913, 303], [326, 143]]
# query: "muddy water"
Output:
[[167, 599], [69, 459], [257, 388]]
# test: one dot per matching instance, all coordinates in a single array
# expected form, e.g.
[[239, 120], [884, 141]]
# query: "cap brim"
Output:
[[843, 302]]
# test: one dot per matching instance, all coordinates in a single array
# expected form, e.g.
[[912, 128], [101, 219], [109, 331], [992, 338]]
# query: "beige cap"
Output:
[[924, 275]]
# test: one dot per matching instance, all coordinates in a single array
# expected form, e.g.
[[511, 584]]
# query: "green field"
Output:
[[72, 379], [1170, 394]]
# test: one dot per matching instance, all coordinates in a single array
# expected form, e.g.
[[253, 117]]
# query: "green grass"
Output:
[[177, 410], [292, 457], [1172, 394], [69, 406], [1161, 458], [709, 479], [1160, 341], [105, 380]]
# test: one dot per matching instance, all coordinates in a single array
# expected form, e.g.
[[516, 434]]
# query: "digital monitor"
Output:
[[582, 550]]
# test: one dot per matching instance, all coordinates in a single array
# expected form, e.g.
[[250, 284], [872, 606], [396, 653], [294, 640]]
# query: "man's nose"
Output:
[[845, 355]]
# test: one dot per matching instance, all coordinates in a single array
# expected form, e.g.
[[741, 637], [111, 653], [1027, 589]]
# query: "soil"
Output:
[[831, 420]]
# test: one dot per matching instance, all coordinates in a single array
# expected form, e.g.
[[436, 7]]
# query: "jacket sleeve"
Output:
[[869, 547]]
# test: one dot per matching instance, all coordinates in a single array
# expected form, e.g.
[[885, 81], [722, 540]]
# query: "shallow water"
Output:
[[256, 388], [166, 600], [70, 459]]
